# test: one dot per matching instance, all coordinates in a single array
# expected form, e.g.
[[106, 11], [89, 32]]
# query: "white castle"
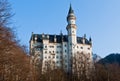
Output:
[[62, 51]]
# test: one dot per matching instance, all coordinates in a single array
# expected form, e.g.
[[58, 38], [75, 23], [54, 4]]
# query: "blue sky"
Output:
[[99, 19]]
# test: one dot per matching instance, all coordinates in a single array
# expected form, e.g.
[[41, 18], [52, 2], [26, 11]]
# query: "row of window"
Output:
[[53, 62], [54, 51], [53, 46], [82, 47], [65, 46], [53, 57]]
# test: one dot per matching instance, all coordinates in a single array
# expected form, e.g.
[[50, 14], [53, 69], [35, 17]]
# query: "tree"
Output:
[[81, 67], [14, 63]]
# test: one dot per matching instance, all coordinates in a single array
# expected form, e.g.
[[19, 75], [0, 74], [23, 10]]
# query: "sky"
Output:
[[98, 19]]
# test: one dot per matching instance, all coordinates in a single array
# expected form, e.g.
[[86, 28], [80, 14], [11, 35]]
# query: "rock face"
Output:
[[96, 58], [111, 59]]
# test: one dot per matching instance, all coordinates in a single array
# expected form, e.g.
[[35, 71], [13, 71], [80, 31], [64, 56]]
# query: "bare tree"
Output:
[[14, 63], [81, 67]]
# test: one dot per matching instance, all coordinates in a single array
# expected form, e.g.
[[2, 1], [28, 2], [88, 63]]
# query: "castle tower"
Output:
[[71, 30]]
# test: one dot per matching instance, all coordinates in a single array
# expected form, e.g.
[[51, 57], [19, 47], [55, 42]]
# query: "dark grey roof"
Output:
[[80, 40], [59, 38]]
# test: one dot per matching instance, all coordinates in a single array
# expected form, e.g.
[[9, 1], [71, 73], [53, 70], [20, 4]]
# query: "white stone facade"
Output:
[[58, 51]]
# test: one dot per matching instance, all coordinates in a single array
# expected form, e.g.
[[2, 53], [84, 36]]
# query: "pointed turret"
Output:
[[70, 10], [90, 41], [71, 17], [71, 27]]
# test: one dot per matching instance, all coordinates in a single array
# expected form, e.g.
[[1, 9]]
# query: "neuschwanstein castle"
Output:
[[62, 51]]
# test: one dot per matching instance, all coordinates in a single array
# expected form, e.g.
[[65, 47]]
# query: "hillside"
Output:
[[111, 59]]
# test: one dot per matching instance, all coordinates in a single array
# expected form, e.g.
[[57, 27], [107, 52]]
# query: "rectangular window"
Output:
[[65, 45], [56, 51], [57, 62], [77, 46], [60, 51], [45, 51], [49, 56], [65, 51], [59, 46], [53, 56], [88, 48], [53, 62], [56, 56], [60, 57], [45, 46], [51, 46], [81, 47]]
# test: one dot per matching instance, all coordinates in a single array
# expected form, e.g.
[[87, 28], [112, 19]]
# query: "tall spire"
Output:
[[71, 16], [70, 9]]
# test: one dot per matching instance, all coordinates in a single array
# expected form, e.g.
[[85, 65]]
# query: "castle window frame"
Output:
[[57, 56], [60, 51], [88, 58], [65, 51], [53, 51], [57, 52], [88, 48], [53, 57], [60, 57], [59, 46], [53, 62], [65, 61], [73, 30], [65, 56], [45, 46], [45, 57], [77, 46], [81, 47], [51, 46], [65, 45], [45, 51], [57, 62]]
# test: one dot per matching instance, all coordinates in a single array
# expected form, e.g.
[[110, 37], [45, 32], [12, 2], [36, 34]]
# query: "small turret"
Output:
[[55, 39], [90, 40], [71, 17], [47, 36], [43, 35], [35, 38], [84, 38]]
